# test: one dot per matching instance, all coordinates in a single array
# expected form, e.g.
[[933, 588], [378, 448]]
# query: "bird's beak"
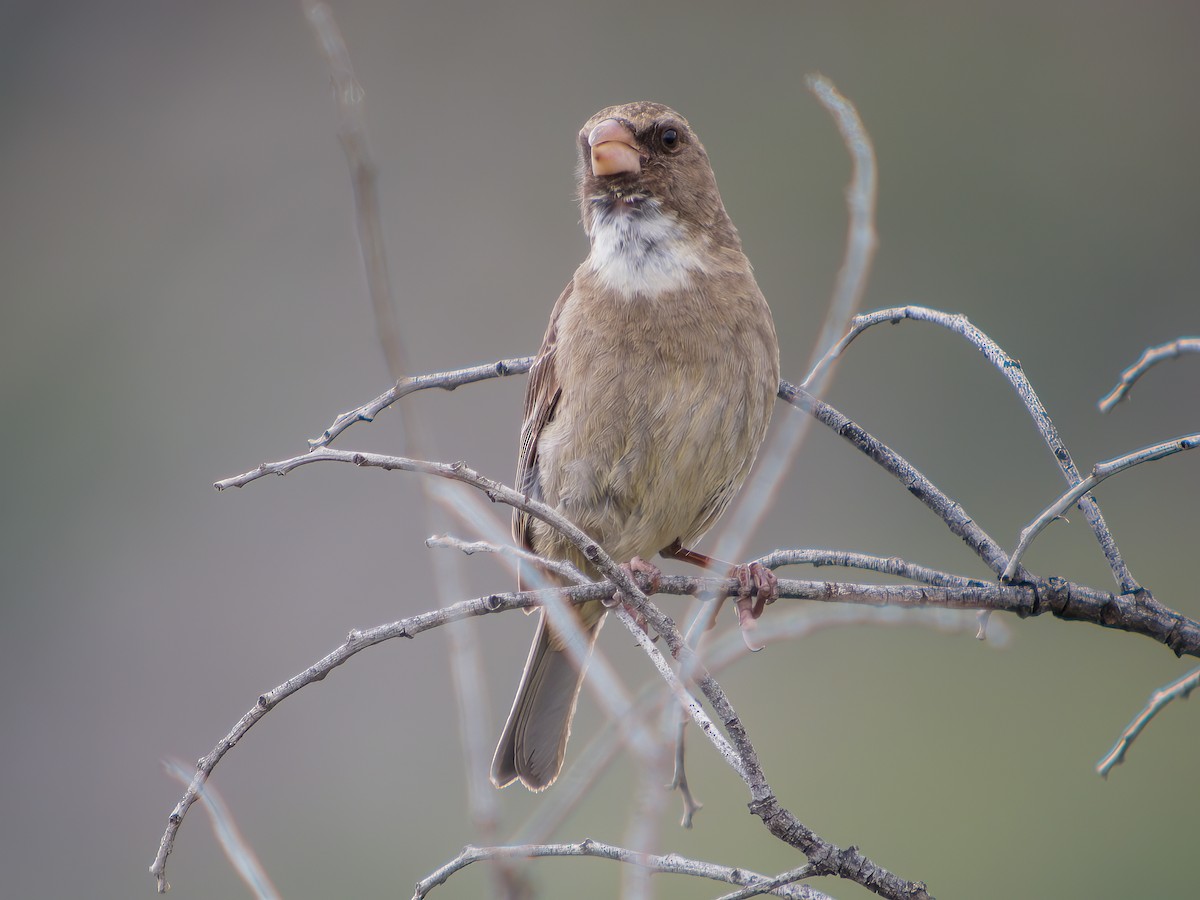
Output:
[[614, 149]]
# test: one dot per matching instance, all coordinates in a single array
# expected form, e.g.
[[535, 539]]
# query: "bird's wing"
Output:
[[541, 397]]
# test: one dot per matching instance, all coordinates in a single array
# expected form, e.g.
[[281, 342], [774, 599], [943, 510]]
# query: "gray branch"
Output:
[[1100, 472], [1150, 357], [671, 864], [1176, 690], [1015, 375]]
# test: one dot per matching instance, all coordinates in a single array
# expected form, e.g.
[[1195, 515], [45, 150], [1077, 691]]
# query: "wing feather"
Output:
[[542, 393]]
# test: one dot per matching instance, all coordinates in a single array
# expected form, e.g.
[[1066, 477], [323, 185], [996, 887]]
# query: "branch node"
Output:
[[493, 602]]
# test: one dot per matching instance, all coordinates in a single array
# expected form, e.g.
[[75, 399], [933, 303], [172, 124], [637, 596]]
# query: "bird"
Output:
[[648, 399]]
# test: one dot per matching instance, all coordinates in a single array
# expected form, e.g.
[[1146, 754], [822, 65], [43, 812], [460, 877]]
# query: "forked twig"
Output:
[[1100, 472], [1015, 375], [950, 512], [446, 381]]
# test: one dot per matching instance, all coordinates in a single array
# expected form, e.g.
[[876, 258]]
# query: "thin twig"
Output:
[[848, 559], [446, 381], [679, 779], [669, 864], [826, 857], [776, 459], [465, 656], [953, 514], [790, 624], [1015, 375], [861, 240], [351, 102], [950, 512], [561, 566], [1058, 597], [1100, 472], [1150, 357], [1176, 690], [1140, 614], [686, 700], [236, 848], [768, 885]]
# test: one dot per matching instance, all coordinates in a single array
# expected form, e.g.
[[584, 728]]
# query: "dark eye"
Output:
[[670, 138]]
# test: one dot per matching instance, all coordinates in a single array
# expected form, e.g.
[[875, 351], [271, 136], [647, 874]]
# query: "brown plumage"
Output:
[[651, 392]]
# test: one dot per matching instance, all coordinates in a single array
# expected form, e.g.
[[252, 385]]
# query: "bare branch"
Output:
[[1176, 690], [447, 381], [770, 884], [955, 517], [861, 240], [1061, 598], [465, 656], [237, 850], [561, 566], [670, 864], [1140, 614], [679, 779], [356, 642], [1100, 472], [352, 132], [826, 857], [788, 624], [776, 459], [412, 626], [847, 559], [1150, 357], [1012, 371], [686, 700]]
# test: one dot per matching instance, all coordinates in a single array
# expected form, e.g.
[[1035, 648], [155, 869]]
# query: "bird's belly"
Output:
[[647, 454]]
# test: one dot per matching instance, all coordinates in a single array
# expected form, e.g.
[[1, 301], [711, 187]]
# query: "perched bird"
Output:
[[650, 395]]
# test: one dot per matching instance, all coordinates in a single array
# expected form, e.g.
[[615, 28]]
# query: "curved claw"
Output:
[[757, 586]]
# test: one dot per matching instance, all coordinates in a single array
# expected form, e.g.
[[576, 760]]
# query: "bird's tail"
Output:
[[534, 740]]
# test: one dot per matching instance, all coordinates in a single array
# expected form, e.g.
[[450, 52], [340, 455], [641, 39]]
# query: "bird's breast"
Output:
[[664, 400], [641, 250]]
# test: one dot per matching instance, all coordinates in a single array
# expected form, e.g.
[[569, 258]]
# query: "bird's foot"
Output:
[[757, 586], [652, 575]]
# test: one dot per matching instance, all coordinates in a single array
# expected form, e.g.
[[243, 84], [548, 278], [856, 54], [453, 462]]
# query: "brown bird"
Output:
[[650, 395]]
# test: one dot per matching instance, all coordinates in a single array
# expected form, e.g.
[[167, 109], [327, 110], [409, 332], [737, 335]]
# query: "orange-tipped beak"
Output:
[[614, 149]]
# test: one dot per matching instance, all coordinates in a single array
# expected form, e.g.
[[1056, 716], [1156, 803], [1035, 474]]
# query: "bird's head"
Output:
[[644, 155]]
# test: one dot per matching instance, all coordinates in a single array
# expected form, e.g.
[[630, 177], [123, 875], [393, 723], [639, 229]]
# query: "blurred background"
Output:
[[183, 299]]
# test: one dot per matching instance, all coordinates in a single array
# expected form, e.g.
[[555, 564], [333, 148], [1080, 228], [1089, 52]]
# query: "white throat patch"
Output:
[[643, 252]]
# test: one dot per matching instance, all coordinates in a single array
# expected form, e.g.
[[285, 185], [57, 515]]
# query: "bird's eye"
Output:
[[670, 138]]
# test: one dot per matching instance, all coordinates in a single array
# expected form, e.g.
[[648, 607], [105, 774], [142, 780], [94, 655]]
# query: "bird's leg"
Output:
[[633, 568], [757, 586]]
